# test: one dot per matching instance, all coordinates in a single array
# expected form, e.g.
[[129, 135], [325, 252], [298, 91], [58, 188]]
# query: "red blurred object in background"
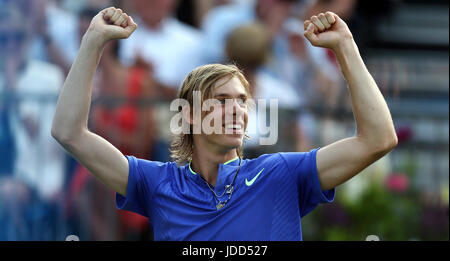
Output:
[[397, 182], [404, 134]]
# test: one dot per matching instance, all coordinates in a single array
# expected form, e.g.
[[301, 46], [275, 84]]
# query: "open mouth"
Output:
[[233, 128]]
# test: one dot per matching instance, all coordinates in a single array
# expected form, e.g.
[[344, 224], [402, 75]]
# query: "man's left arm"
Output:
[[375, 133]]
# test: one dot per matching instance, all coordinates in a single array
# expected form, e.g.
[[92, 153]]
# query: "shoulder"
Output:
[[272, 166], [150, 168], [301, 164], [270, 159], [288, 161]]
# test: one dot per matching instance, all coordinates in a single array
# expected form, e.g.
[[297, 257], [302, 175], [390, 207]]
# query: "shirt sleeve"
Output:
[[143, 178], [304, 168]]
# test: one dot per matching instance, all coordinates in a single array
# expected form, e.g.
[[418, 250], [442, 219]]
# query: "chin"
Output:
[[233, 141]]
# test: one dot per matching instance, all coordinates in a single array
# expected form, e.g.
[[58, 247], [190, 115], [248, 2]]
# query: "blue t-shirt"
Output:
[[271, 194]]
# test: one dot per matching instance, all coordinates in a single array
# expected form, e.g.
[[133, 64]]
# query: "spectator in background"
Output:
[[55, 28], [39, 161], [249, 47], [311, 71], [192, 12], [38, 156], [343, 8], [53, 34], [169, 46], [220, 21]]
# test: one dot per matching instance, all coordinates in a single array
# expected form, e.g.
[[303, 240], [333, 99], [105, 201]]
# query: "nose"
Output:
[[234, 107], [235, 111]]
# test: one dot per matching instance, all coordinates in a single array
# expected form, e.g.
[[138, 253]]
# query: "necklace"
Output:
[[228, 189]]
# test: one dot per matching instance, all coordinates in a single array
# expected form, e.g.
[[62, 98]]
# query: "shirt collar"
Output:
[[224, 176], [231, 162]]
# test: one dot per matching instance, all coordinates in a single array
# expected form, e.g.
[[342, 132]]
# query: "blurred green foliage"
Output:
[[378, 211]]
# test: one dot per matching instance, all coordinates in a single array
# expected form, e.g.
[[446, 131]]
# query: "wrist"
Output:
[[93, 39], [345, 47]]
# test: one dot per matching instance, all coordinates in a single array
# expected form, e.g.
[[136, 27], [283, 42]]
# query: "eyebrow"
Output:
[[226, 95]]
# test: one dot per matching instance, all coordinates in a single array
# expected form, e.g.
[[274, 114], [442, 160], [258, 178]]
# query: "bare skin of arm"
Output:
[[375, 135], [69, 126]]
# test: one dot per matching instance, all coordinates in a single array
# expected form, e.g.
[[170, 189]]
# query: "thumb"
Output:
[[310, 35]]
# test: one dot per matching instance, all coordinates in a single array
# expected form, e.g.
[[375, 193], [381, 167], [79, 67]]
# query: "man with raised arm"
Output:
[[209, 192]]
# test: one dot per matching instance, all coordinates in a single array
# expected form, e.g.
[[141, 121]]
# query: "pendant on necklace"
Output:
[[220, 205], [228, 189]]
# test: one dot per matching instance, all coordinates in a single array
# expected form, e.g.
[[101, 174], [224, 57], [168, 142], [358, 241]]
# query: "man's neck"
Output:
[[206, 163]]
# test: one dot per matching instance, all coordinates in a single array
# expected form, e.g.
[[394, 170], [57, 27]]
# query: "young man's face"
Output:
[[229, 115]]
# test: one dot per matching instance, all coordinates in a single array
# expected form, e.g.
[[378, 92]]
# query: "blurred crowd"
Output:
[[46, 195]]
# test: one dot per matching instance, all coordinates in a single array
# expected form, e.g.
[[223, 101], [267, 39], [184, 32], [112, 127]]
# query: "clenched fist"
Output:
[[327, 30], [111, 23]]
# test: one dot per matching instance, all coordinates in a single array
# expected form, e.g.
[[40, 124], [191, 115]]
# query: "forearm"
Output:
[[373, 119], [74, 101]]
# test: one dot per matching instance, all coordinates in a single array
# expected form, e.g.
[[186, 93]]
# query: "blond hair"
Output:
[[202, 79]]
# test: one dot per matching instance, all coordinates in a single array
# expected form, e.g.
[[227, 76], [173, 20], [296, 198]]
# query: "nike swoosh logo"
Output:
[[249, 183]]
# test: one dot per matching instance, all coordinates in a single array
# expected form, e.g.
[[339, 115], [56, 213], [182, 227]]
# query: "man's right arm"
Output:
[[69, 126]]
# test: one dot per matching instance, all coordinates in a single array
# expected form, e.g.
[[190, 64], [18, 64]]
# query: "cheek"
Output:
[[245, 120], [219, 112], [215, 113], [244, 112]]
